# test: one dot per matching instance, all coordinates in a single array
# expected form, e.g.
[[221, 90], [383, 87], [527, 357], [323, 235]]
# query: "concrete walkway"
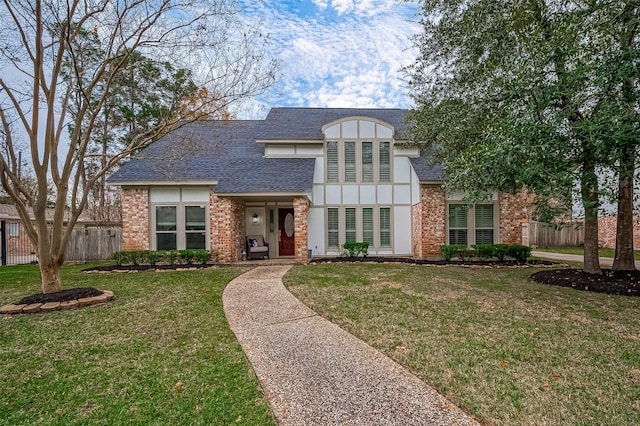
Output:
[[573, 258], [314, 373]]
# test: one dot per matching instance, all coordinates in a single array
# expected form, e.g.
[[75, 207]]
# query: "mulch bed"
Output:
[[610, 282], [111, 268], [60, 296], [374, 259]]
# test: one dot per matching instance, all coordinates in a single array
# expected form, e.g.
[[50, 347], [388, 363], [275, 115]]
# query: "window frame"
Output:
[[471, 225], [181, 224], [342, 231]]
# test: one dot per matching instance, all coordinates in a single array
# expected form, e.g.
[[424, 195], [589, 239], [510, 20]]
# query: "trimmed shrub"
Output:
[[202, 256], [484, 251], [187, 256], [354, 249], [501, 251], [120, 257], [519, 253], [449, 251], [152, 257], [171, 257]]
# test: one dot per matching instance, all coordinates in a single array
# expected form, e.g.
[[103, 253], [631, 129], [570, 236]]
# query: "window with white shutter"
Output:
[[350, 225], [349, 161], [367, 162], [458, 224], [332, 161], [367, 225], [384, 159], [484, 223], [385, 227], [333, 228]]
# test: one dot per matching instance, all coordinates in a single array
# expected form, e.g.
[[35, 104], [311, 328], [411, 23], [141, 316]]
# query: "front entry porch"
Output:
[[282, 221]]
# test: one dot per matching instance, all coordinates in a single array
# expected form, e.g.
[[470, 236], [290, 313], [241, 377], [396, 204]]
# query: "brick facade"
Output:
[[135, 219], [416, 227], [300, 215], [512, 209], [433, 221], [227, 229]]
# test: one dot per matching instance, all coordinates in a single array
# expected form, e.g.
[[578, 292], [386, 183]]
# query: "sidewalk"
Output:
[[573, 258], [314, 373]]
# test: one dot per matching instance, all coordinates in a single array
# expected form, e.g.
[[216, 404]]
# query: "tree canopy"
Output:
[[529, 94], [71, 68]]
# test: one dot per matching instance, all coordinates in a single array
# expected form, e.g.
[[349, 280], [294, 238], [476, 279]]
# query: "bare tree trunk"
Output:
[[589, 189], [50, 276], [624, 257]]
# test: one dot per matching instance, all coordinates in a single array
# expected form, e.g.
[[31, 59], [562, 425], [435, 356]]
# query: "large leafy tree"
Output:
[[514, 94], [62, 63]]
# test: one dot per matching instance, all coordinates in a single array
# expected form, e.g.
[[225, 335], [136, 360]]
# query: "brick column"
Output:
[[512, 208], [300, 215], [227, 229], [416, 230], [135, 219], [433, 218]]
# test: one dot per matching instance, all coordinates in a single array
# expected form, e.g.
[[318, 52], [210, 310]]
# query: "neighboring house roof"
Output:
[[225, 152], [10, 212]]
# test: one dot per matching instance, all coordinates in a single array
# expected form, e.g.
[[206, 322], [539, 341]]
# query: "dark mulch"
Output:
[[610, 282], [374, 259], [111, 268], [60, 296]]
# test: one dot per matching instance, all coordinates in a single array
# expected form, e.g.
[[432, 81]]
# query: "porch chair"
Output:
[[256, 247]]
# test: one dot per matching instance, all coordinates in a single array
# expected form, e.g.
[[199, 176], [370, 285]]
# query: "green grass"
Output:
[[603, 252], [507, 350], [162, 353]]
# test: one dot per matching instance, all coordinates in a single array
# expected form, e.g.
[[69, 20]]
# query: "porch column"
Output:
[[300, 215], [135, 219], [227, 229], [434, 219]]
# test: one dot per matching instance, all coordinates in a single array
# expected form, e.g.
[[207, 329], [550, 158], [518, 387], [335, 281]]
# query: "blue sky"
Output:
[[337, 53]]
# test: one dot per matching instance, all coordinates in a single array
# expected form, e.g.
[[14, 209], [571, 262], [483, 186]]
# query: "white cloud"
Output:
[[352, 59]]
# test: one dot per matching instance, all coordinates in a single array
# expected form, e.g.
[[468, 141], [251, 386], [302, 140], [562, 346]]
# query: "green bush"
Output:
[[120, 257], [171, 256], [202, 256], [519, 253], [449, 251], [356, 249], [501, 251], [152, 257], [187, 255], [484, 251], [465, 253]]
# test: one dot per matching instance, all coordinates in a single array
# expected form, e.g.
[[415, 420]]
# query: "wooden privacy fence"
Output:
[[544, 235], [91, 244]]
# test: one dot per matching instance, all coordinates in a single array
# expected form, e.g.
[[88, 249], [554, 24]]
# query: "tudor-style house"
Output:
[[306, 180]]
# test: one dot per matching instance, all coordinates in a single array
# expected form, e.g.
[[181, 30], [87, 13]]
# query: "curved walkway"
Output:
[[314, 373]]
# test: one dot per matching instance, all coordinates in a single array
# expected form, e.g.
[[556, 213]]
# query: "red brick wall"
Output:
[[227, 225], [416, 230], [512, 209], [607, 232], [433, 220], [300, 215], [135, 219]]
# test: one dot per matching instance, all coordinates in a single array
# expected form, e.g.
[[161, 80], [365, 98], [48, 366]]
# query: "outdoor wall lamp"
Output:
[[254, 219]]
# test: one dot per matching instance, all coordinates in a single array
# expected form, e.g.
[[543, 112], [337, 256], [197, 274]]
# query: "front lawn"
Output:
[[161, 353], [507, 350]]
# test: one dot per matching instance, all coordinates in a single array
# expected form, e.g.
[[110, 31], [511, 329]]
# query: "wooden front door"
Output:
[[286, 231]]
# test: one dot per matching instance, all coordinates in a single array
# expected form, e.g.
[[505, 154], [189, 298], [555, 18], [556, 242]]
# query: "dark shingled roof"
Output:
[[306, 123], [226, 152], [426, 171]]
